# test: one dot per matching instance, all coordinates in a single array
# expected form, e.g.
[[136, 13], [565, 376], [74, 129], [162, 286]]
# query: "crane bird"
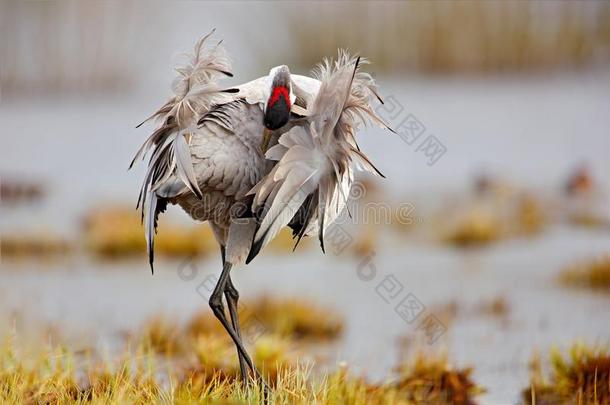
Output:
[[277, 151]]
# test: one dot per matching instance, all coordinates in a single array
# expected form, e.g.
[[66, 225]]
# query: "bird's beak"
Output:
[[266, 138]]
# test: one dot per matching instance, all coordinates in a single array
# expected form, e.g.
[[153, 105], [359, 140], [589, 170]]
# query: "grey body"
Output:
[[206, 156]]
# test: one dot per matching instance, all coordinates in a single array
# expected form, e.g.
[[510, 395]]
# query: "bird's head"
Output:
[[279, 102], [280, 98]]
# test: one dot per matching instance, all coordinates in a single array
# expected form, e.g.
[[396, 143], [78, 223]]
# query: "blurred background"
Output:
[[493, 215]]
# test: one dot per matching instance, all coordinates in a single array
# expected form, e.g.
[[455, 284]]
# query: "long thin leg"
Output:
[[232, 296], [218, 309]]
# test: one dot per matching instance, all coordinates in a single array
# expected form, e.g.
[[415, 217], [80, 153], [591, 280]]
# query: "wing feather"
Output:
[[171, 169], [315, 159], [184, 166]]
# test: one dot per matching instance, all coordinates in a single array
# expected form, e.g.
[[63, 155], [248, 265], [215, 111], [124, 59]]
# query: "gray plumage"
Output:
[[206, 153]]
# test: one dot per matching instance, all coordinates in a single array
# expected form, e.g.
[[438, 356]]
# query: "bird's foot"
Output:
[[258, 381], [262, 384], [266, 390]]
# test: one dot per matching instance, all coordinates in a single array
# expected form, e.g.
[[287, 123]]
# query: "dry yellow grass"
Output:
[[19, 190], [296, 319], [163, 335], [463, 36], [276, 329], [431, 379], [284, 242], [170, 363], [592, 273], [216, 358], [581, 377], [404, 218], [38, 245], [589, 219], [497, 307], [529, 216], [59, 376], [495, 213], [479, 227], [114, 232]]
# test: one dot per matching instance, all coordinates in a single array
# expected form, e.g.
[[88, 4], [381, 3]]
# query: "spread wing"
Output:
[[179, 162], [316, 158]]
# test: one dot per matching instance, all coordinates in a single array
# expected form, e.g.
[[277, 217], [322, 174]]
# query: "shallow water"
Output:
[[532, 130]]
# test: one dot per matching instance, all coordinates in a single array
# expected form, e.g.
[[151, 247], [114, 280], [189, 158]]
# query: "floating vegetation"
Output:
[[585, 204], [37, 245], [530, 217], [580, 182], [581, 377], [496, 307], [594, 273], [14, 191], [163, 335], [479, 227], [589, 218], [431, 379], [115, 232], [296, 319], [496, 211]]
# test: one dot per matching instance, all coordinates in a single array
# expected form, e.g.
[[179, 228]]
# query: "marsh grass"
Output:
[[67, 46], [39, 245], [53, 377], [196, 363], [478, 227], [448, 37], [530, 217], [283, 328], [497, 306], [493, 215], [296, 319], [113, 232], [588, 218], [580, 377], [593, 273], [493, 307], [431, 379]]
